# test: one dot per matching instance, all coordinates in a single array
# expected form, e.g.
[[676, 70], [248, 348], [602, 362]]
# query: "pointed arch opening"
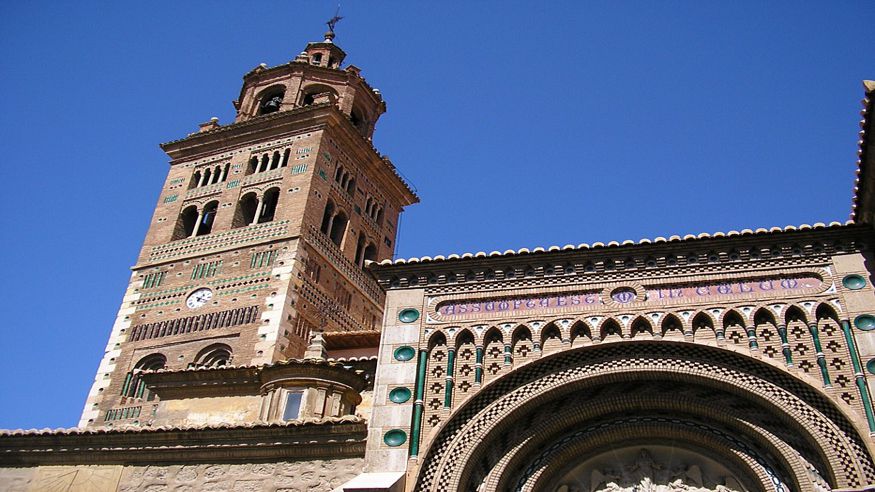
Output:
[[733, 328], [610, 330], [642, 328], [551, 338], [703, 327], [672, 327], [580, 334]]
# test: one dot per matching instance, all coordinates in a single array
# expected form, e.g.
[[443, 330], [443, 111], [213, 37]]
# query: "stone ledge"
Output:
[[323, 438]]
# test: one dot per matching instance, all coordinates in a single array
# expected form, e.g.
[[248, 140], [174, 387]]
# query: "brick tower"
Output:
[[260, 236]]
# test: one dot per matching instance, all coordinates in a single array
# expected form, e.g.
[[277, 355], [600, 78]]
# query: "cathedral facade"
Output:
[[268, 340]]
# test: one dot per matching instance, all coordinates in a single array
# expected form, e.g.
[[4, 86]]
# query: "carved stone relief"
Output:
[[650, 469]]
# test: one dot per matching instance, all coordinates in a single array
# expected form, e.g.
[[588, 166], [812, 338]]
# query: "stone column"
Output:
[[197, 223], [257, 210]]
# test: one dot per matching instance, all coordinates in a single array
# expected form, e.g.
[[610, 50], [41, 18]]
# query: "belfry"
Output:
[[269, 339]]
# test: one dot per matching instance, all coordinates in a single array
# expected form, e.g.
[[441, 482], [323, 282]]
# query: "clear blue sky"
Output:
[[521, 124]]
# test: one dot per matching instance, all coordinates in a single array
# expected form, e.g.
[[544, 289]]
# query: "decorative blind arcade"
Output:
[[221, 319]]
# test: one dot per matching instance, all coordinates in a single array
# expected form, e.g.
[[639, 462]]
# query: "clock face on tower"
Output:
[[198, 298]]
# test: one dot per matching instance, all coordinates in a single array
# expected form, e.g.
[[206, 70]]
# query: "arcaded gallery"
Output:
[[268, 341]]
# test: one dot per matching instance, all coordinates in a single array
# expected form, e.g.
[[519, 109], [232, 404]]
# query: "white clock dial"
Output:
[[198, 298]]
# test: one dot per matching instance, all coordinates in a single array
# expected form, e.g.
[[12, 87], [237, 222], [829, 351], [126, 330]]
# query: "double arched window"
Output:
[[134, 387], [365, 250], [194, 221], [256, 209]]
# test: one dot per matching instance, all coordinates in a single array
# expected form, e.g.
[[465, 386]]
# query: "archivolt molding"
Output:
[[788, 399], [572, 427], [732, 451]]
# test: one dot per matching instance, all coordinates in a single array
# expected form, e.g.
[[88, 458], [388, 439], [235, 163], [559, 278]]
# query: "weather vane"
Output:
[[334, 20]]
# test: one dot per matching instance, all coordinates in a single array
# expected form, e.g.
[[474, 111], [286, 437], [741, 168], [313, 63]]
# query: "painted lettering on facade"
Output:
[[584, 301], [516, 305], [763, 286]]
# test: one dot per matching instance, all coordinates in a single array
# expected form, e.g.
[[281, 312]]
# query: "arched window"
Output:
[[134, 387], [185, 223], [275, 160], [316, 59], [358, 120], [350, 187], [338, 228], [208, 216], [271, 101], [315, 92], [286, 155], [151, 362], [216, 355], [268, 205], [265, 160], [245, 213], [195, 179], [368, 204], [326, 217], [338, 173]]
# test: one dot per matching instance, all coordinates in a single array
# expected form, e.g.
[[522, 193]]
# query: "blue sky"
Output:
[[521, 124]]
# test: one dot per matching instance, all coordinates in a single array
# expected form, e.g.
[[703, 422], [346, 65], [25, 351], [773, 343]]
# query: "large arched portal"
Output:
[[646, 416]]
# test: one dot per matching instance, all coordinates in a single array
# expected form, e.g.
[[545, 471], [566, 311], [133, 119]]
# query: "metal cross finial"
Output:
[[334, 20]]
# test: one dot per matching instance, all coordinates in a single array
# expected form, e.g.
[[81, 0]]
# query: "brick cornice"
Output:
[[334, 438]]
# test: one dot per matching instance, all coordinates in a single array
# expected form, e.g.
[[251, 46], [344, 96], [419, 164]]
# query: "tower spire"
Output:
[[329, 36]]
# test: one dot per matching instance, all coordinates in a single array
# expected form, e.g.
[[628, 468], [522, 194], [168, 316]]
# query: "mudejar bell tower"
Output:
[[260, 235]]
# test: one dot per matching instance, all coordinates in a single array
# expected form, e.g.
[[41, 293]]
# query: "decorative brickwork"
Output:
[[800, 410]]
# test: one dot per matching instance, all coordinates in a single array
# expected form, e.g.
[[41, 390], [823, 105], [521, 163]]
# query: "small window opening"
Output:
[[293, 405]]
